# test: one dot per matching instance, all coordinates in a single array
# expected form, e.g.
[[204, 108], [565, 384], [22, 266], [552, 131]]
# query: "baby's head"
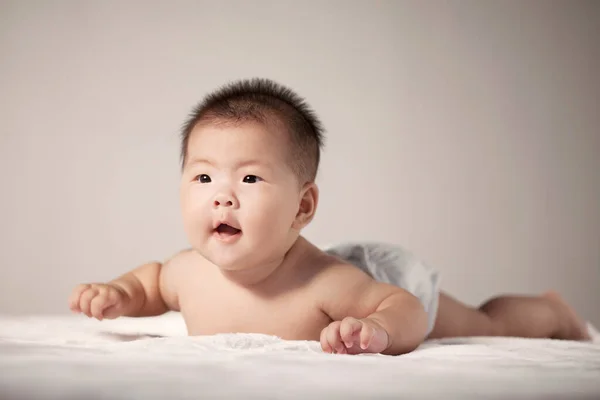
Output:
[[250, 155]]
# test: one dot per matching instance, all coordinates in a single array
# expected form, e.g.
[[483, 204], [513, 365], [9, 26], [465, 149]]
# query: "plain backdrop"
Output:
[[467, 132]]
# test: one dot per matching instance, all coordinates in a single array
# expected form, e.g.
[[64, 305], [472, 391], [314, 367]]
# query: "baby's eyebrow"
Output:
[[199, 161], [247, 163], [208, 161], [192, 162], [238, 165]]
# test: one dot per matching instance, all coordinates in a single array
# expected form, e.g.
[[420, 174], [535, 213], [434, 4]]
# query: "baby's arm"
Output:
[[148, 290], [382, 318]]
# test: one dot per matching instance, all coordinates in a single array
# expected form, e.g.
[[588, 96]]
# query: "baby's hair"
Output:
[[263, 101]]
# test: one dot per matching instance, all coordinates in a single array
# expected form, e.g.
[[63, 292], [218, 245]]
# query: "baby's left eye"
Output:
[[251, 179]]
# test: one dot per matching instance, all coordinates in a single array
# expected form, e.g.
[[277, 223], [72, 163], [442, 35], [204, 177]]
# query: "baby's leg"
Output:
[[546, 316]]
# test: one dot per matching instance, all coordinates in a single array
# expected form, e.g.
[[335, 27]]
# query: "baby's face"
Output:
[[239, 197]]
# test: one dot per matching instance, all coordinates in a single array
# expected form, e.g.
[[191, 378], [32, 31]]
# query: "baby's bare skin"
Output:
[[286, 304], [309, 296]]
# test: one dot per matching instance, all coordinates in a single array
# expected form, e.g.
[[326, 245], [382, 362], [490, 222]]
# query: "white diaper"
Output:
[[394, 265]]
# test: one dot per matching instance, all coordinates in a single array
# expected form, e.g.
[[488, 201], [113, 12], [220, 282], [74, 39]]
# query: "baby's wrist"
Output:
[[125, 289]]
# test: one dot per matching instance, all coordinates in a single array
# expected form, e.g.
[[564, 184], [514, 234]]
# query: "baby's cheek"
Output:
[[194, 221], [195, 205], [261, 223]]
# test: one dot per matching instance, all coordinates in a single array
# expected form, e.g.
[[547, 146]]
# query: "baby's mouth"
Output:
[[224, 230]]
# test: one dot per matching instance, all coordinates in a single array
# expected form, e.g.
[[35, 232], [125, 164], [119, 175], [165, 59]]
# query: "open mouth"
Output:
[[225, 231]]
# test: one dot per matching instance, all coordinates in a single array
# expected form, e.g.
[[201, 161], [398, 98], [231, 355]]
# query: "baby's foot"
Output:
[[572, 327]]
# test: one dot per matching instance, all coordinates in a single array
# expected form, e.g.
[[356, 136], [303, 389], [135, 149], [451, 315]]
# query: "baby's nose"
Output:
[[223, 200]]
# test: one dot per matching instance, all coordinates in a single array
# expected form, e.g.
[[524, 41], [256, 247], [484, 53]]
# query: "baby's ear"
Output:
[[308, 205]]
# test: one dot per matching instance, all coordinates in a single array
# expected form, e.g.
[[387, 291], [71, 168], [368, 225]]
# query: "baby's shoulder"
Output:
[[336, 284], [184, 263], [332, 270]]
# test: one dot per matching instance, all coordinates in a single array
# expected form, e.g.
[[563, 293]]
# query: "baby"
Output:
[[250, 153]]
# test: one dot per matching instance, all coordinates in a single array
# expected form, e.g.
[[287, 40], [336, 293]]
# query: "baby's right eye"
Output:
[[203, 178]]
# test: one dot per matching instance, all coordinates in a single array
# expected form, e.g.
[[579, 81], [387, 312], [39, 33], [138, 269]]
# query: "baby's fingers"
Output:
[[100, 303], [324, 343], [348, 329], [86, 299], [76, 295], [113, 307], [334, 339], [113, 311], [366, 336]]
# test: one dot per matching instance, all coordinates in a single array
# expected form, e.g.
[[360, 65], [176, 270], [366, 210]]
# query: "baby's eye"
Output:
[[251, 179], [203, 178]]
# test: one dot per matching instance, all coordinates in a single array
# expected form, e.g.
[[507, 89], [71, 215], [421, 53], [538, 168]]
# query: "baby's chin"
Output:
[[227, 259], [243, 255]]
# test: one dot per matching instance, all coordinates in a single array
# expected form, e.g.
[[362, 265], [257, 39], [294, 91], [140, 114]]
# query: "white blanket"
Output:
[[152, 358]]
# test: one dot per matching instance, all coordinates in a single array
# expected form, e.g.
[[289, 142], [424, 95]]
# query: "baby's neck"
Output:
[[262, 275]]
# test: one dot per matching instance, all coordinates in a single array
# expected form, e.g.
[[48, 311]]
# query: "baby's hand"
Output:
[[354, 336], [99, 300]]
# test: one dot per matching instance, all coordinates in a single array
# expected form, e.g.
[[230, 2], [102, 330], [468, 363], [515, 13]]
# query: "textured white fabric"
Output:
[[393, 264], [76, 358]]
